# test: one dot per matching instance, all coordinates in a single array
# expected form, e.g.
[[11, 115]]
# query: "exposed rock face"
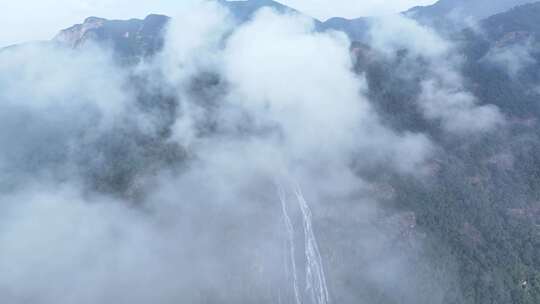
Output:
[[74, 35], [128, 39]]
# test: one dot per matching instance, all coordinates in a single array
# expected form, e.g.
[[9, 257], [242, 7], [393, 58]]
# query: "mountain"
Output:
[[137, 38], [477, 216]]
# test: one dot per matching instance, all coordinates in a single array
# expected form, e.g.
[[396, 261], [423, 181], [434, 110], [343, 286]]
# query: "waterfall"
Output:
[[292, 251], [316, 289]]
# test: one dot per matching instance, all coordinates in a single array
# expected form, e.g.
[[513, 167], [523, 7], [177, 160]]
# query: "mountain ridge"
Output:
[[143, 37]]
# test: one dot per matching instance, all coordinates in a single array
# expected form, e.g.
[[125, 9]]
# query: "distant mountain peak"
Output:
[[244, 10], [444, 12]]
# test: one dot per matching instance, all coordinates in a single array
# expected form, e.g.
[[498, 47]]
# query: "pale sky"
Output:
[[27, 20]]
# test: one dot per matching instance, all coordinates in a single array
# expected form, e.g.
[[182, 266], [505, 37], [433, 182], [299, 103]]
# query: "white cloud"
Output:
[[444, 97], [457, 110], [309, 90]]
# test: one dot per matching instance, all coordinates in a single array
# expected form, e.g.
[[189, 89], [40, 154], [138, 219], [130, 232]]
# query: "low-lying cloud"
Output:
[[443, 97]]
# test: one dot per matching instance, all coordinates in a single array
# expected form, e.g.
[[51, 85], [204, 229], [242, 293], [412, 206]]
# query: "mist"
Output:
[[243, 163]]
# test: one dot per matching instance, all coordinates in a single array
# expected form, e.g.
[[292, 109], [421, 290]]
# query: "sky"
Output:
[[28, 20]]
